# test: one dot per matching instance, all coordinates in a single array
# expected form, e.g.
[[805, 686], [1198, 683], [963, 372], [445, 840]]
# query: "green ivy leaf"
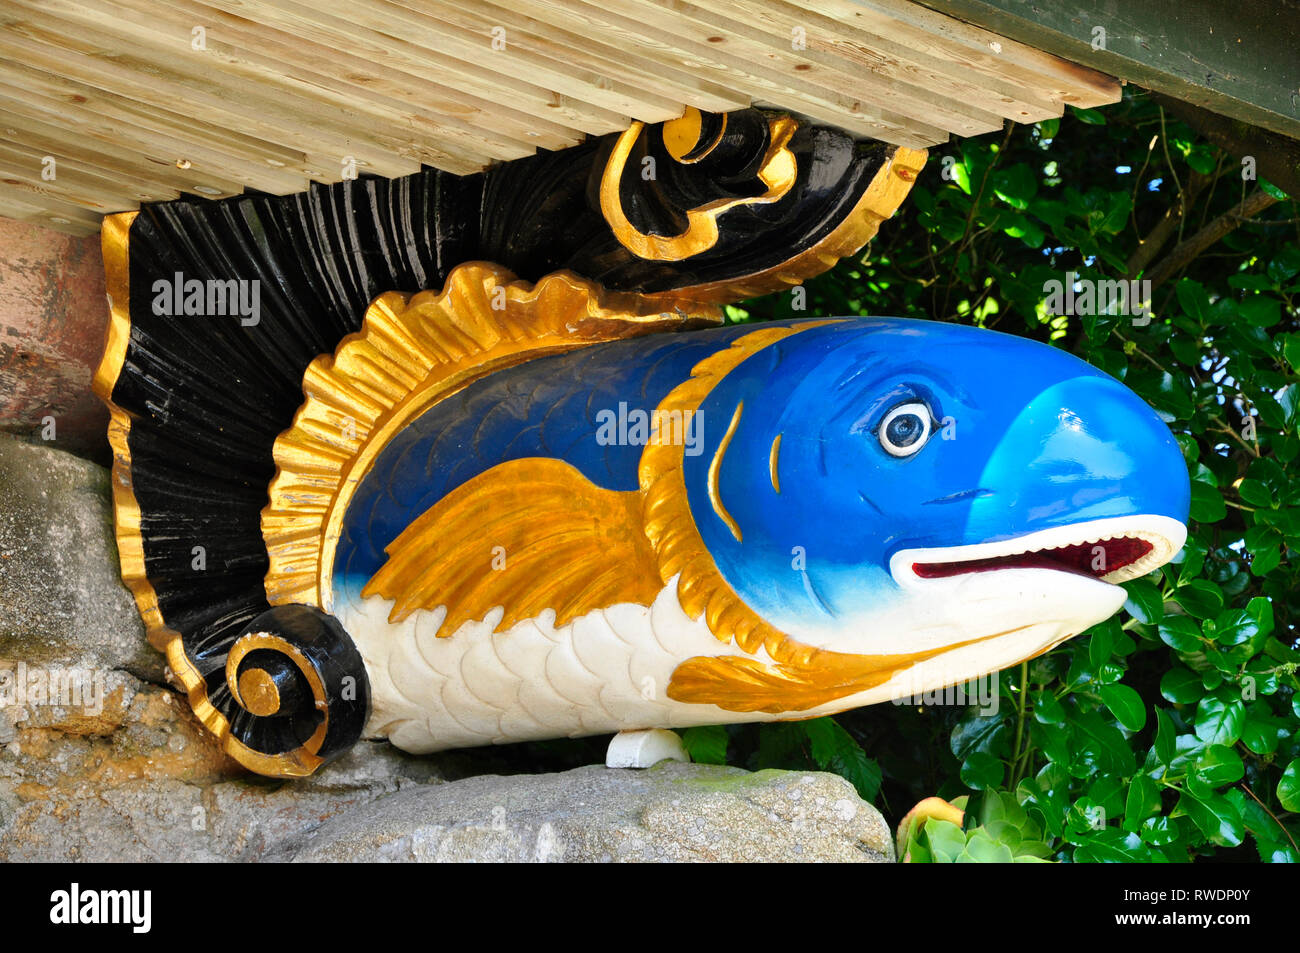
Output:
[[1092, 117], [1273, 190], [1180, 686], [1288, 788], [1214, 814], [1264, 731], [1219, 765], [1255, 492], [1125, 704], [1199, 598], [1100, 645], [1145, 602], [1194, 301], [1234, 627], [1142, 801], [1159, 831], [980, 733], [1047, 709], [1166, 737], [834, 749], [1261, 610], [707, 744], [982, 772], [1291, 350], [1207, 504], [1219, 722], [1181, 633]]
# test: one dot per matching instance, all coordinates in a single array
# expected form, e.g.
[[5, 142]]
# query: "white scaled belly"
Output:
[[603, 672]]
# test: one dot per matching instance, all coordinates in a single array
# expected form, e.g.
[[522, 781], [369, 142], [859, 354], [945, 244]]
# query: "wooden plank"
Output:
[[97, 191], [330, 28], [75, 191], [716, 24], [910, 64], [100, 114], [126, 166], [109, 145], [461, 36], [306, 108], [22, 207], [988, 53], [285, 89], [1236, 59], [602, 111], [629, 23], [475, 123], [524, 25], [325, 141]]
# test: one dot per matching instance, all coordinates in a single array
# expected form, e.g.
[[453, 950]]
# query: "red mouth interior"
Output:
[[1080, 558]]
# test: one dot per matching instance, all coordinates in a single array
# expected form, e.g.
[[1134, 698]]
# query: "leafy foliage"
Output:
[[1005, 834], [818, 743], [1168, 732]]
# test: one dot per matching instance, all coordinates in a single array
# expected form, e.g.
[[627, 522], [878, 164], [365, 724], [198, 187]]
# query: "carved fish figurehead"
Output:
[[449, 517]]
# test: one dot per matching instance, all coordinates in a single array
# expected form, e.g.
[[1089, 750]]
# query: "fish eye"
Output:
[[905, 429]]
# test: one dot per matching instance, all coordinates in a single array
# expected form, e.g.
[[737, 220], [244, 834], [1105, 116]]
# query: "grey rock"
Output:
[[672, 812], [61, 593]]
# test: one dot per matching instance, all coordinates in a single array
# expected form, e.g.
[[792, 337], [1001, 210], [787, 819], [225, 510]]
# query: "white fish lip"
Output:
[[1164, 534]]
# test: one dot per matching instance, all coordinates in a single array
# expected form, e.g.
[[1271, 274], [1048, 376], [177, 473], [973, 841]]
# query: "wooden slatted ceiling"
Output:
[[285, 90]]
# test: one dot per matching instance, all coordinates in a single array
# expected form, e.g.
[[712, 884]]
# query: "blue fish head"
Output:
[[889, 485]]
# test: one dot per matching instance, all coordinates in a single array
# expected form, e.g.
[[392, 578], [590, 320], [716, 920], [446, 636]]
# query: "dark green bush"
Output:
[[1168, 732]]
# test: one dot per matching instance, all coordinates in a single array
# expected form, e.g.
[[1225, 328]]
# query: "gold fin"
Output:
[[745, 684], [411, 352], [565, 543], [821, 677]]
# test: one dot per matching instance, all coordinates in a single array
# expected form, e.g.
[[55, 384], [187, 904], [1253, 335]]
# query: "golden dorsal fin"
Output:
[[528, 535], [411, 352]]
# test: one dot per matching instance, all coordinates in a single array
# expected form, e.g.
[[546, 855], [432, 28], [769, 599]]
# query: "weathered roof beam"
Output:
[[1236, 59]]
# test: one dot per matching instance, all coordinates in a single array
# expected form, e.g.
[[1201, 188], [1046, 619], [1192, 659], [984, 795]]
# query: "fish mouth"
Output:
[[1112, 550]]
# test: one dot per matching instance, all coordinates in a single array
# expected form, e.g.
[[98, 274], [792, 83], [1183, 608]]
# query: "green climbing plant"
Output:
[[1172, 730]]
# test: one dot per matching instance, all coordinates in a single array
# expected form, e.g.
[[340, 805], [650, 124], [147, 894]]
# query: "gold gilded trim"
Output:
[[114, 235], [258, 693], [778, 172], [715, 473], [297, 763], [682, 136], [886, 192], [773, 463], [253, 641], [411, 352]]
